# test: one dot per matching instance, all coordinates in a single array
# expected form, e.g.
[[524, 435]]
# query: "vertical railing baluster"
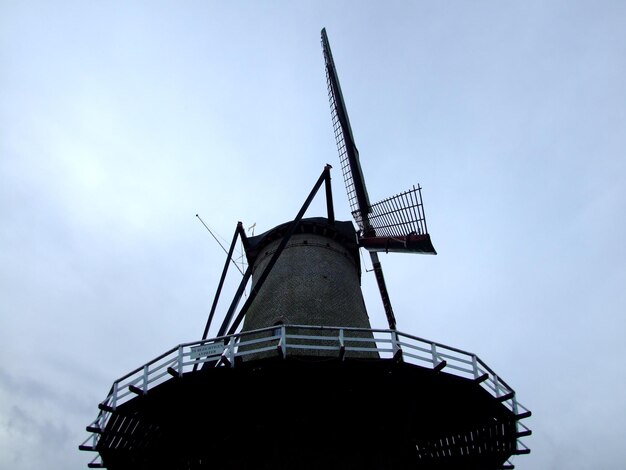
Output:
[[114, 400], [180, 360], [283, 341], [342, 345], [475, 365], [396, 346], [231, 350], [515, 413], [433, 349], [145, 379]]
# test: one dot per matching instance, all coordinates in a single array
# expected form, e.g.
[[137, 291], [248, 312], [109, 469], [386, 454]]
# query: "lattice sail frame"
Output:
[[348, 152], [397, 216], [401, 215], [341, 147]]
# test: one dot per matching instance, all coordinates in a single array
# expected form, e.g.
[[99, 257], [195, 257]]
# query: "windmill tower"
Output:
[[297, 377]]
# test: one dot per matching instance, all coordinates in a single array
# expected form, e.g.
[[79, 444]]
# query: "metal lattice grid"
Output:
[[396, 216], [341, 143]]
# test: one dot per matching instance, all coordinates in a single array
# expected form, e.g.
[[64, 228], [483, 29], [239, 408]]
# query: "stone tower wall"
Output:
[[315, 282]]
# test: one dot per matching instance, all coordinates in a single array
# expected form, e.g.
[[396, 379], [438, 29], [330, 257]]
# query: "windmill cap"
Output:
[[340, 231]]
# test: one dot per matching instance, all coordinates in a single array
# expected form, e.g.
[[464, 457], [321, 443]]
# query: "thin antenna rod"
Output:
[[220, 244]]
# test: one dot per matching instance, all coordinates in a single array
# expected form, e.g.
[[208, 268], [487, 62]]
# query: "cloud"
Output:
[[37, 425]]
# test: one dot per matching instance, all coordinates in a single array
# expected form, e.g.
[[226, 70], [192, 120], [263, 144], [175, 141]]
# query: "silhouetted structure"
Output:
[[307, 383]]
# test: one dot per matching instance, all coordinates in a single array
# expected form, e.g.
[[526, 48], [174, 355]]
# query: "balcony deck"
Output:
[[420, 404]]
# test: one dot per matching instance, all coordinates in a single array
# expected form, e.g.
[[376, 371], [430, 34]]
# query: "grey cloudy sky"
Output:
[[120, 122]]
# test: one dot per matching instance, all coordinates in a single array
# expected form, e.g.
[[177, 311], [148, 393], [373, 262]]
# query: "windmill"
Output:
[[296, 377]]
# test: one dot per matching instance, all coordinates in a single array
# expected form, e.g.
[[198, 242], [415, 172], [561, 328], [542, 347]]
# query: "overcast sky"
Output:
[[118, 123]]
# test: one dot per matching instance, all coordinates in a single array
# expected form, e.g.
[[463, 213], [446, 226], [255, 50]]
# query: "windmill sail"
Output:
[[351, 169], [394, 224], [348, 153]]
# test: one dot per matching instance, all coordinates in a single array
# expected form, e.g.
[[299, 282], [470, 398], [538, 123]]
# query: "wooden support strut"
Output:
[[329, 196], [136, 390], [235, 301], [283, 243], [238, 231], [105, 407], [481, 378], [382, 287], [506, 397]]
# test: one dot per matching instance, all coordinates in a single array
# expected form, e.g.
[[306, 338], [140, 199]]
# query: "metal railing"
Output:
[[286, 340]]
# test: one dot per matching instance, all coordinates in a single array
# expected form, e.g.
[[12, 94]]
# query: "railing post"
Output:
[[515, 410], [496, 384], [395, 346], [231, 350], [180, 360], [114, 400], [144, 387], [433, 349], [475, 365], [283, 340], [342, 346]]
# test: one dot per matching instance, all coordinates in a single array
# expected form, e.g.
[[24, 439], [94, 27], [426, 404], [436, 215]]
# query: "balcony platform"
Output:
[[293, 411]]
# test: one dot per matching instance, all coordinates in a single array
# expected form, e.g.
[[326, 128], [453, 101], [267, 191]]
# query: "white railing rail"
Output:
[[286, 340]]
